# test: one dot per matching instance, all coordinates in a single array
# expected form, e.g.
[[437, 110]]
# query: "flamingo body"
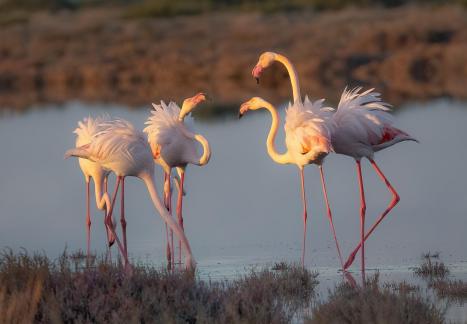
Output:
[[363, 125]]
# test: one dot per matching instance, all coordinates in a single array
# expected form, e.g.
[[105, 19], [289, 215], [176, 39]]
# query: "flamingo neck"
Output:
[[276, 156], [204, 159], [293, 76], [150, 183], [100, 195], [185, 110]]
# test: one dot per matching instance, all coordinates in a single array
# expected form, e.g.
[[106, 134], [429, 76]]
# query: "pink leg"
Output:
[[110, 238], [122, 215], [110, 225], [362, 213], [179, 214], [167, 206], [392, 204], [170, 212], [88, 220], [323, 183], [305, 215]]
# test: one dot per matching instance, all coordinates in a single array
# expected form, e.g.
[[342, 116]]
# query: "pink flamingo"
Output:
[[365, 126], [307, 138], [174, 145]]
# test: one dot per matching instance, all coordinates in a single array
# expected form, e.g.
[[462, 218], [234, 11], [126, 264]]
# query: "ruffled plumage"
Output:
[[88, 127], [162, 122], [364, 116], [304, 122]]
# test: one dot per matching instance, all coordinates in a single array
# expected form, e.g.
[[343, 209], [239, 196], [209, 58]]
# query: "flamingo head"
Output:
[[190, 103], [252, 104], [265, 60]]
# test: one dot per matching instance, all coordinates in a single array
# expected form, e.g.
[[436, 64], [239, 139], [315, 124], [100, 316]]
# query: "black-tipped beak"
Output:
[[257, 80], [240, 115]]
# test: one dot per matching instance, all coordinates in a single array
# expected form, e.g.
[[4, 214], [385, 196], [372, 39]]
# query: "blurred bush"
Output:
[[154, 8]]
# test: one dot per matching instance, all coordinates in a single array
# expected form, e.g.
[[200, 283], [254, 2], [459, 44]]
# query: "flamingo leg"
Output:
[[167, 206], [122, 215], [392, 204], [179, 213], [109, 221], [88, 219], [362, 213], [305, 215], [170, 212], [110, 238], [323, 183]]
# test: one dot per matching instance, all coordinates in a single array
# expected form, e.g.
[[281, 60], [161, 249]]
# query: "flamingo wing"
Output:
[[362, 117]]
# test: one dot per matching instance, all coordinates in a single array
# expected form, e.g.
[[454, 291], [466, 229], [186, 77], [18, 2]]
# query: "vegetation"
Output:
[[373, 304], [34, 288], [431, 269], [451, 289], [154, 8]]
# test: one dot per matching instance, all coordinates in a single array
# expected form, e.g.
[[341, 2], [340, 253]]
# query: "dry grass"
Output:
[[373, 304], [430, 269], [37, 289], [451, 289]]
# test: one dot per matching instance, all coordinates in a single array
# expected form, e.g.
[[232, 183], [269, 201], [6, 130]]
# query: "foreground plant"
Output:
[[35, 289], [431, 269], [375, 304]]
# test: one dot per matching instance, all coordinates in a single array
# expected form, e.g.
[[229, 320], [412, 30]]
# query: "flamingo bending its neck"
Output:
[[86, 130], [174, 145], [122, 149]]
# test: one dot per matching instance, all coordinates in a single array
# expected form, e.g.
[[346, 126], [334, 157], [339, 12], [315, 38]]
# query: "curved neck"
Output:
[[204, 159], [293, 76], [276, 156], [98, 191], [148, 179], [185, 110]]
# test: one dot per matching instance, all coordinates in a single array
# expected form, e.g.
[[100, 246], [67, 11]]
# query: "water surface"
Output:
[[243, 209]]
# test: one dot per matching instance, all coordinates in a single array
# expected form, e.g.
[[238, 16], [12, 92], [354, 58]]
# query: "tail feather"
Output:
[[81, 152]]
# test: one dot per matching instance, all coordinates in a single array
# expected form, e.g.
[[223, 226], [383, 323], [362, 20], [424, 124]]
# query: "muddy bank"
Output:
[[95, 55]]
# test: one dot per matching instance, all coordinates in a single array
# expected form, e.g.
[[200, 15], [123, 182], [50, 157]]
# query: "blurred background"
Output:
[[135, 51], [62, 60]]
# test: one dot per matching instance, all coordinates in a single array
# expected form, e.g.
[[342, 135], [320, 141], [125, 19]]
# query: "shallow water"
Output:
[[242, 209]]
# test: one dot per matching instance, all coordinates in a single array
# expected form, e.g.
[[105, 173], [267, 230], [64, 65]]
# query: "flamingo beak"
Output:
[[257, 70], [200, 97], [243, 109]]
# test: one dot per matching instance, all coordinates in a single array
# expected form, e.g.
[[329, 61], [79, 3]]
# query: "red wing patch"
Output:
[[389, 133]]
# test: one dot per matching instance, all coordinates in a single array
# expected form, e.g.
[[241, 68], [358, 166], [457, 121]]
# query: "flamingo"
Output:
[[307, 138], [85, 131], [174, 145], [318, 115], [120, 148], [362, 126]]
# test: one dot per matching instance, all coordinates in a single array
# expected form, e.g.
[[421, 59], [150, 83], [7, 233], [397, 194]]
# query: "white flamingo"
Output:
[[305, 112], [174, 145], [122, 149], [362, 126], [85, 131], [307, 138]]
